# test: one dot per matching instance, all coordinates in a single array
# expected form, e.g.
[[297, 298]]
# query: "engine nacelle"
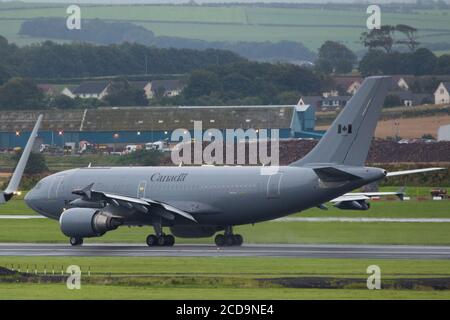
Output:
[[87, 222], [353, 205], [193, 231]]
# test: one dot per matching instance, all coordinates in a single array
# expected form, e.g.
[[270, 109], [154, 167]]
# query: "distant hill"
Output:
[[102, 32]]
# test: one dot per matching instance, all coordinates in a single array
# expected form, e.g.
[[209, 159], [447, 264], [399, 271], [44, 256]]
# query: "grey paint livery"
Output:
[[199, 201]]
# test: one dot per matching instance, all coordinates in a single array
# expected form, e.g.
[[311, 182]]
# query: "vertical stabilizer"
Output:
[[348, 139]]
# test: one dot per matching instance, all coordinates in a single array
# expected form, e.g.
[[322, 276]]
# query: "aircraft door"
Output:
[[141, 189], [274, 185]]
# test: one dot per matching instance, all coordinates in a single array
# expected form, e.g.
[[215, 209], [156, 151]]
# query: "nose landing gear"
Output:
[[228, 239]]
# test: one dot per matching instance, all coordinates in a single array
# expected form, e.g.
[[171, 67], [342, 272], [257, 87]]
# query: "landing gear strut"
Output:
[[228, 239], [160, 239], [76, 241]]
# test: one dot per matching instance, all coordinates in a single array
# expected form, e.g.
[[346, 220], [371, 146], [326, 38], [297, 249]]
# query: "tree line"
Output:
[[103, 32], [396, 50], [53, 60], [247, 83]]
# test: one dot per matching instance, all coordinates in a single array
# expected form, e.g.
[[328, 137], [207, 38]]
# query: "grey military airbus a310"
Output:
[[201, 201]]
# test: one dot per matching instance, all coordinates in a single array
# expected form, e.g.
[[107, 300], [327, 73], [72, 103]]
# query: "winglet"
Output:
[[20, 168]]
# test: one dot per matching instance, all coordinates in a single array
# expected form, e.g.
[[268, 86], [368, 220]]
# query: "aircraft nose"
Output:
[[29, 198]]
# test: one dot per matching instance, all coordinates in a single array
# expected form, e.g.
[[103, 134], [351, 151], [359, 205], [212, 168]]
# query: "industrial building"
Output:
[[126, 125]]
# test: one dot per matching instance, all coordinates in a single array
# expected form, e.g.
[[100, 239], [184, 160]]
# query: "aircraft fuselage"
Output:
[[213, 195]]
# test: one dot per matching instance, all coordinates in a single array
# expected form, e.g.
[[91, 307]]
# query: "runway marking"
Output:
[[13, 217], [297, 219], [262, 250], [362, 219]]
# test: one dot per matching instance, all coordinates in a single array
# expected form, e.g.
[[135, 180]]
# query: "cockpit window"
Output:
[[38, 186]]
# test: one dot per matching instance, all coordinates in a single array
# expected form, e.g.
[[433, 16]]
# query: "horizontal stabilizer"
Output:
[[331, 174], [14, 183], [400, 173]]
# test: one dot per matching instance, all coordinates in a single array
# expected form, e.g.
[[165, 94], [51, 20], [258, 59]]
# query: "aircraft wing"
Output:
[[356, 196], [141, 204], [400, 173], [350, 197]]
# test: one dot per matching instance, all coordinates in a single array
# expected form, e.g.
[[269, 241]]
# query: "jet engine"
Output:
[[193, 231], [87, 222], [353, 205]]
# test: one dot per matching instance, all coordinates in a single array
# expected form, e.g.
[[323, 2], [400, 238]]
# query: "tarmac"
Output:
[[247, 250]]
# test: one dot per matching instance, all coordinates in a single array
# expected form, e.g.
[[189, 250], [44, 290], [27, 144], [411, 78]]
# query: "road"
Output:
[[249, 250]]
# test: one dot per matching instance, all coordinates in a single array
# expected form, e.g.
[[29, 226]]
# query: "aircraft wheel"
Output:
[[151, 240], [170, 240], [162, 241], [229, 240], [76, 241], [220, 240], [238, 240]]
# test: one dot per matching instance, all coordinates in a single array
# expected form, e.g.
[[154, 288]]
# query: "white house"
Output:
[[67, 92], [166, 88], [442, 93], [444, 133], [348, 84], [146, 86]]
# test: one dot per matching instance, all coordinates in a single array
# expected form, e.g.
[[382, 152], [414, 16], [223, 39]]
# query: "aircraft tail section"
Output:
[[348, 139]]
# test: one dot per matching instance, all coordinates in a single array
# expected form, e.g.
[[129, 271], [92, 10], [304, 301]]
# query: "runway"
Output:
[[293, 219], [249, 250]]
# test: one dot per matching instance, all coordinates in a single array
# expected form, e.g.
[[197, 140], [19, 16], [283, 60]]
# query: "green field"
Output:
[[240, 278], [385, 209], [217, 278], [44, 230], [238, 23]]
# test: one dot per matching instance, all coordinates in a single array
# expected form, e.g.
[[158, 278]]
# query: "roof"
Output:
[[139, 84], [346, 81], [312, 100], [46, 87], [446, 86], [407, 77], [334, 98], [396, 78], [416, 98], [91, 87], [68, 120], [303, 108], [404, 95], [168, 85], [151, 118]]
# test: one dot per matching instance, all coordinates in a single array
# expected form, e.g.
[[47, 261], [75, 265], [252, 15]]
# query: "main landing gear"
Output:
[[76, 241], [160, 239], [228, 239]]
